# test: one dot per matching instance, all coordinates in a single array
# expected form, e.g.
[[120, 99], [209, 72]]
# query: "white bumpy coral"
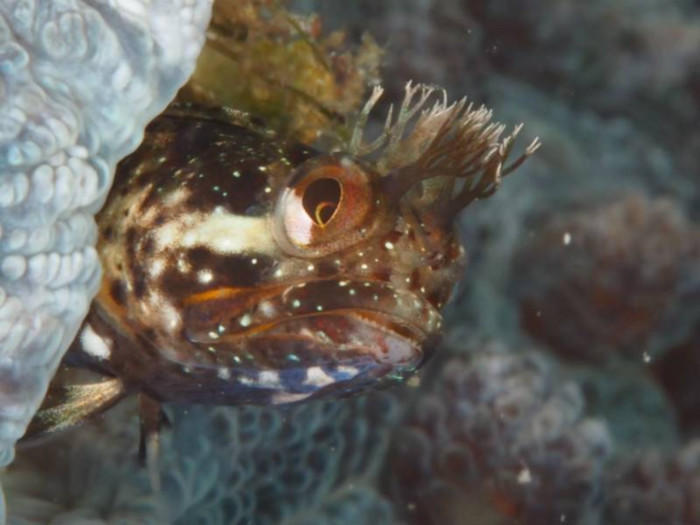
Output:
[[79, 79]]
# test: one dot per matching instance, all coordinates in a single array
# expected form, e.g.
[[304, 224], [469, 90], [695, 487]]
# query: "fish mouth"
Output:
[[326, 320]]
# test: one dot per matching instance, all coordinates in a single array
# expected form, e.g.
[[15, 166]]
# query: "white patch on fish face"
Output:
[[267, 309], [205, 276], [315, 376], [269, 379], [95, 345], [156, 268], [298, 224], [222, 232], [183, 265], [173, 318], [159, 307], [347, 371], [281, 398], [176, 197]]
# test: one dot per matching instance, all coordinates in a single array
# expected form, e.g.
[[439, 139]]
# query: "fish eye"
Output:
[[321, 200], [328, 204]]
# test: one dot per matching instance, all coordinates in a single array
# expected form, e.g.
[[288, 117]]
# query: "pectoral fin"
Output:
[[70, 405]]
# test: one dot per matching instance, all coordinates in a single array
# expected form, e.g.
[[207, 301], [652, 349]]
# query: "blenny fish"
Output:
[[240, 267]]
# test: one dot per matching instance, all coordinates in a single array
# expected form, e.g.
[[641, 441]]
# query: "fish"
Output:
[[240, 267]]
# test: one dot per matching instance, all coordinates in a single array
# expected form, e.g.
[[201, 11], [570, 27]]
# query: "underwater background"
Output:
[[566, 388]]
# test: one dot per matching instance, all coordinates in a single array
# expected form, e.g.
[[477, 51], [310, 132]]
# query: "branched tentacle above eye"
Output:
[[445, 140]]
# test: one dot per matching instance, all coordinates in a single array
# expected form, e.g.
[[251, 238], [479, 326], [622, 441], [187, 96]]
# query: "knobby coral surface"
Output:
[[651, 487], [498, 436], [313, 463], [609, 279], [79, 80]]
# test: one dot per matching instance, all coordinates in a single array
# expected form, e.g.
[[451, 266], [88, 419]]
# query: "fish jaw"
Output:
[[355, 331]]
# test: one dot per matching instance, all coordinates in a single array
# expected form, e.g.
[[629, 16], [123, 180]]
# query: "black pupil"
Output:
[[320, 200]]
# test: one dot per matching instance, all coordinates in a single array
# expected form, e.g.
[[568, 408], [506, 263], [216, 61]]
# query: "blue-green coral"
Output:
[[312, 463]]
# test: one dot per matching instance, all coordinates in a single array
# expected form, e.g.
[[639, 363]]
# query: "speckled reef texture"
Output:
[[566, 390], [78, 82]]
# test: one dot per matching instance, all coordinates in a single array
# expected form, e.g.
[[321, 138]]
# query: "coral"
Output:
[[649, 489], [677, 371], [284, 464], [640, 47], [498, 437], [424, 40], [616, 82], [302, 81], [352, 505], [609, 279], [310, 463], [638, 410], [640, 60], [78, 83]]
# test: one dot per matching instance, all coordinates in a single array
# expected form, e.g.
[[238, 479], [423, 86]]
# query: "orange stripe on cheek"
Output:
[[205, 310], [217, 294], [228, 293]]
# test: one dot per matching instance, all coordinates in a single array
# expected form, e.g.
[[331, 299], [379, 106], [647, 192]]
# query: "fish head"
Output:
[[353, 284]]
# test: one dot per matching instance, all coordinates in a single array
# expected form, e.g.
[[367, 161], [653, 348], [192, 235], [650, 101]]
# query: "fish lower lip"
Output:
[[376, 319], [384, 338], [338, 337]]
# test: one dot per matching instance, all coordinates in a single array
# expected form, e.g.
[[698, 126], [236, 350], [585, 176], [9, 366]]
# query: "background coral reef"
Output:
[[564, 392]]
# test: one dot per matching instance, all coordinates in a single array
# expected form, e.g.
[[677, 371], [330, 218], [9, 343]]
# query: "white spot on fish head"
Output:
[[317, 377], [160, 308], [183, 265], [95, 345], [269, 378], [176, 197], [281, 398], [205, 276], [156, 268], [347, 371], [267, 309]]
